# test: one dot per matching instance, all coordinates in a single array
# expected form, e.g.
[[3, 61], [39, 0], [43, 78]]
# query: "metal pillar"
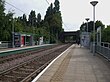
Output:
[[94, 4]]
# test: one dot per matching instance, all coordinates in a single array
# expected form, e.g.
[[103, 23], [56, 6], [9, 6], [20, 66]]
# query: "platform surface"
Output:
[[20, 48], [77, 65]]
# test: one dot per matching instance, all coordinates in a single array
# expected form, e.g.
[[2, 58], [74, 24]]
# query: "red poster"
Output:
[[22, 39]]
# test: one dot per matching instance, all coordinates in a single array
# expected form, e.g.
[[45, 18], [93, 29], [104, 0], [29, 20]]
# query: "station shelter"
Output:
[[21, 39]]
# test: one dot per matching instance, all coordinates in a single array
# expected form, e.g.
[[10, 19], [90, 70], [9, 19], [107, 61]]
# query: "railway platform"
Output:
[[20, 48], [76, 64], [9, 51]]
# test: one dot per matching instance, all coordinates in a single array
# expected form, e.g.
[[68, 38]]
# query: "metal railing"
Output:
[[5, 44], [103, 49]]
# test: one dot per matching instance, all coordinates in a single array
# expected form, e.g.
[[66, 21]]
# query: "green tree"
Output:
[[49, 12], [24, 19], [32, 18], [50, 27], [83, 27], [2, 17], [106, 34], [99, 24], [18, 25], [54, 19], [57, 6], [7, 29], [38, 17], [38, 20]]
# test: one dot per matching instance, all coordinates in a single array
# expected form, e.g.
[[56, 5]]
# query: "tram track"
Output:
[[27, 70]]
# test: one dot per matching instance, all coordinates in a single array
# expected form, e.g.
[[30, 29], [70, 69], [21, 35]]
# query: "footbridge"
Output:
[[69, 36]]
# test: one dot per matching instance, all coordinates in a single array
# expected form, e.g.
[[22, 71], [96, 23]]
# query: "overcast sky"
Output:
[[73, 12]]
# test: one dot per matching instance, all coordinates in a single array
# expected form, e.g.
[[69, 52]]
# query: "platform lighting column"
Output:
[[94, 3], [87, 19]]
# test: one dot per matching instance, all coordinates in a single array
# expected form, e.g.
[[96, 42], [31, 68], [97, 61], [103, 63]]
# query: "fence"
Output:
[[102, 49], [5, 44]]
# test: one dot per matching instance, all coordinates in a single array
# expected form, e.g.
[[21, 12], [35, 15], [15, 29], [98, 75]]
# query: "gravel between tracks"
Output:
[[8, 64], [57, 50]]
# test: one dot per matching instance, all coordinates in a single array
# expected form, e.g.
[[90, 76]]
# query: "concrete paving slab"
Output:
[[77, 65]]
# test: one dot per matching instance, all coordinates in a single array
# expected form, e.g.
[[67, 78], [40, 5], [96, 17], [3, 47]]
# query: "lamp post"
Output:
[[87, 19], [94, 3], [84, 28]]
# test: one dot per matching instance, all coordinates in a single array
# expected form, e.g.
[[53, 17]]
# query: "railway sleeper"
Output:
[[12, 79], [31, 76], [30, 70], [21, 72], [10, 59], [37, 63], [24, 71], [8, 80], [31, 61], [16, 75], [30, 67]]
